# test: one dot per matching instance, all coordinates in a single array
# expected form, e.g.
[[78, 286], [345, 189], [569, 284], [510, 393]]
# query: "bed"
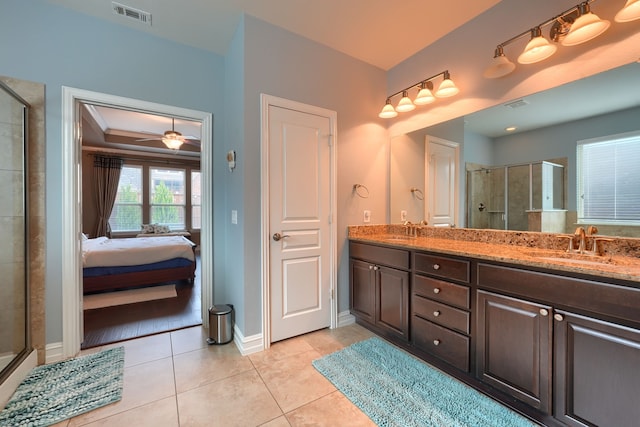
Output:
[[115, 264]]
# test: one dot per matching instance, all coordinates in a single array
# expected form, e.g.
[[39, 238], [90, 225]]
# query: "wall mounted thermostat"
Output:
[[231, 160]]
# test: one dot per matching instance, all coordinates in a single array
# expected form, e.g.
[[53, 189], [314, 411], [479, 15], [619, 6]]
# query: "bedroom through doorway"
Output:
[[158, 199], [166, 313]]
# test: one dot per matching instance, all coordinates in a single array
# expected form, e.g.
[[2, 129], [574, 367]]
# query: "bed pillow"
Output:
[[148, 228], [160, 229]]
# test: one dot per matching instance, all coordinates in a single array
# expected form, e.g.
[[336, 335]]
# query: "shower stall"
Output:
[[527, 197]]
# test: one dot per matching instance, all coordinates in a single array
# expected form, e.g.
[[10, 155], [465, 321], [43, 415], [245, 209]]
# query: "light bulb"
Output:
[[388, 112], [500, 65], [537, 49], [405, 103], [586, 27]]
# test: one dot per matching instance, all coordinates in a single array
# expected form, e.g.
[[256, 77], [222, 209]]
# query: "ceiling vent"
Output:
[[517, 103], [129, 12]]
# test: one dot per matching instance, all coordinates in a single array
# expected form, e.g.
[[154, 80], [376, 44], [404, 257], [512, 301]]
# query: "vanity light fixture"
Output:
[[630, 12], [571, 27], [424, 96], [587, 27]]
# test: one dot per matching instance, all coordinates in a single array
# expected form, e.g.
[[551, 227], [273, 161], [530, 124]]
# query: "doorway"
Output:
[[72, 203], [298, 224]]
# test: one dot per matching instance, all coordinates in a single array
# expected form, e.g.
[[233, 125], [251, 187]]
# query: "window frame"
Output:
[[580, 183]]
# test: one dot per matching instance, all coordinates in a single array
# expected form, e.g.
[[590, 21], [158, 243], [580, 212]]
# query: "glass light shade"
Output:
[[388, 112], [588, 26], [500, 66], [447, 88], [537, 49], [172, 143], [424, 97], [405, 104], [630, 12]]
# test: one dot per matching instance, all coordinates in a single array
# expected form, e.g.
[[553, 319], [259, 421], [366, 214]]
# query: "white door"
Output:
[[300, 265], [442, 182]]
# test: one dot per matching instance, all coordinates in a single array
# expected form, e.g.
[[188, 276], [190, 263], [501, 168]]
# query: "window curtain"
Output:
[[106, 177]]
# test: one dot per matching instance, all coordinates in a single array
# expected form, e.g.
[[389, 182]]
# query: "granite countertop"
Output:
[[525, 250]]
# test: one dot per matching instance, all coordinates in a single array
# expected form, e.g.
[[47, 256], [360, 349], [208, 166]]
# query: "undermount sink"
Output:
[[399, 238], [571, 258]]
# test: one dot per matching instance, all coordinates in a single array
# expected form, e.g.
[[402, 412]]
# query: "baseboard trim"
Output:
[[345, 318], [247, 345], [53, 353]]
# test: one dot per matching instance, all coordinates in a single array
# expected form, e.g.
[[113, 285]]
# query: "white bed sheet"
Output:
[[104, 252]]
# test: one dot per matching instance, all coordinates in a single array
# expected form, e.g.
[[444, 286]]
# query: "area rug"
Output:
[[109, 299], [395, 389], [56, 392]]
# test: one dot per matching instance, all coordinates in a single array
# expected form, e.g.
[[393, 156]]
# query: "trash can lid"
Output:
[[220, 309]]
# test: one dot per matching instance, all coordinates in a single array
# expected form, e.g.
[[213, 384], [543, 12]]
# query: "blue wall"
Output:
[[58, 47]]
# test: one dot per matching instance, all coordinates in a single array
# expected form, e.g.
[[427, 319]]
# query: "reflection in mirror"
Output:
[[549, 125], [13, 292], [517, 197]]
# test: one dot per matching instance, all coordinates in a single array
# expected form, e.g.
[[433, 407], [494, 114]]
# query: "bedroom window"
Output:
[[167, 197], [196, 200], [608, 177], [127, 210]]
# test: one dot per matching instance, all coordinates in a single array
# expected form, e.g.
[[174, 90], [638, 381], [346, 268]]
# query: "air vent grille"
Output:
[[517, 103], [131, 13]]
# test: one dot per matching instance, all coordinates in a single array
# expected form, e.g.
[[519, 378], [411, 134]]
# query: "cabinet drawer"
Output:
[[597, 297], [438, 290], [391, 257], [445, 267], [447, 345], [441, 314]]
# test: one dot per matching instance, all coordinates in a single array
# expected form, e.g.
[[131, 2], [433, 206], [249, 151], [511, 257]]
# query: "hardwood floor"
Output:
[[124, 322]]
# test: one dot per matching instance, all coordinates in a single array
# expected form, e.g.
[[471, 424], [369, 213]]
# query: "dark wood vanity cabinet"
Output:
[[567, 346], [379, 287], [440, 317], [514, 347], [597, 372], [534, 345]]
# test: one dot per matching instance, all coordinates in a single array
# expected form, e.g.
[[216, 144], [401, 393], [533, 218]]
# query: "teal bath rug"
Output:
[[396, 389], [56, 392]]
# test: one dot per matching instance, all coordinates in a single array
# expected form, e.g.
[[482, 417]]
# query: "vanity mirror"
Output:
[[548, 125]]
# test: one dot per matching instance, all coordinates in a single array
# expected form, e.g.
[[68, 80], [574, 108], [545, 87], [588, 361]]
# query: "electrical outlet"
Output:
[[234, 216], [367, 216], [403, 216]]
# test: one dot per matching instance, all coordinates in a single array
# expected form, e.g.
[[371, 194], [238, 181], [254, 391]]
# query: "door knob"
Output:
[[277, 236]]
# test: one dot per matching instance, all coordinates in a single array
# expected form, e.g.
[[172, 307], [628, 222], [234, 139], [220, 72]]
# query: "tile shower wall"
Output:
[[12, 226]]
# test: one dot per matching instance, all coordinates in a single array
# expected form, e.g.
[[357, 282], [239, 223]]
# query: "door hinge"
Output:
[[330, 218], [331, 293], [330, 140]]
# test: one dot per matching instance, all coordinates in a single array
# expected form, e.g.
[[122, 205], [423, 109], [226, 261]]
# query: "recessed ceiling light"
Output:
[[510, 128]]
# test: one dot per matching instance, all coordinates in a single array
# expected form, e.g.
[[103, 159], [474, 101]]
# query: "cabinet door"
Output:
[[363, 297], [514, 348], [597, 375], [393, 301]]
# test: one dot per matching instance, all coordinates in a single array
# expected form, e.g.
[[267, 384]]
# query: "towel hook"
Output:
[[361, 190], [417, 193]]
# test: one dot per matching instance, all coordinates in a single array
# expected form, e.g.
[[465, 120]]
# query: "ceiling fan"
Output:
[[173, 139]]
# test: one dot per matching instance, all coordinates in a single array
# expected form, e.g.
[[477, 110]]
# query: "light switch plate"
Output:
[[234, 216], [367, 216], [403, 216]]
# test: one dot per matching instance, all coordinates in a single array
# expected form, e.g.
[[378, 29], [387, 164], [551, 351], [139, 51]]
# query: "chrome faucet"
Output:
[[411, 230]]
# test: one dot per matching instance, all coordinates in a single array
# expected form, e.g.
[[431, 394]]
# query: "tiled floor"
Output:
[[176, 379]]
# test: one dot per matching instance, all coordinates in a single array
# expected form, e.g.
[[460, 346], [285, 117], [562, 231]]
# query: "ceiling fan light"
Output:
[[537, 49], [388, 112], [500, 65], [630, 12], [405, 103], [172, 143], [447, 88], [586, 27], [425, 96]]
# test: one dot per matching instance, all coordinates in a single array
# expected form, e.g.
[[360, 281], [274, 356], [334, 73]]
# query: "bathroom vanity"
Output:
[[554, 337]]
